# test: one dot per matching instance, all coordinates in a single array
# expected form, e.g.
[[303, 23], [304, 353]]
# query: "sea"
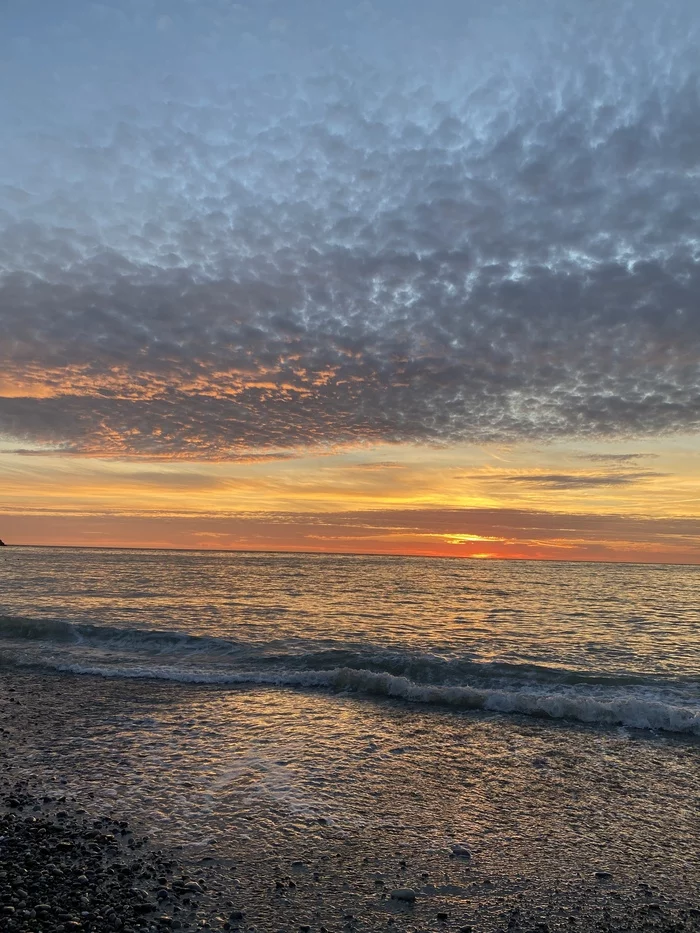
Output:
[[545, 717], [615, 644]]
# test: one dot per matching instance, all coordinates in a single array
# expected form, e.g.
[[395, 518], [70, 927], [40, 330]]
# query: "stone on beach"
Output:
[[403, 894], [461, 851]]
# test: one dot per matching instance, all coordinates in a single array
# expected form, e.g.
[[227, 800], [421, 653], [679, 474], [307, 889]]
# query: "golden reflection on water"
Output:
[[580, 617]]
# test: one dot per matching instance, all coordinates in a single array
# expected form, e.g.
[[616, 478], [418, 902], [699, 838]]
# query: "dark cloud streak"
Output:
[[581, 481], [607, 534], [617, 458]]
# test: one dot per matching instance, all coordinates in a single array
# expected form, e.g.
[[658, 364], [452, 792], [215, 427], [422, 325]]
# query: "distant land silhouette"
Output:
[[2, 543]]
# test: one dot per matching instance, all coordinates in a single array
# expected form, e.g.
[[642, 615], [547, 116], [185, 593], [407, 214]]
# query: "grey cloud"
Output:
[[617, 458], [359, 253], [578, 481]]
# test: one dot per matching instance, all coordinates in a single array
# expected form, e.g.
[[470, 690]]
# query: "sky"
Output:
[[388, 277]]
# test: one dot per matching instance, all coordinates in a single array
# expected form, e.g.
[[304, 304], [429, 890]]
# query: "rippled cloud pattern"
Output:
[[227, 228]]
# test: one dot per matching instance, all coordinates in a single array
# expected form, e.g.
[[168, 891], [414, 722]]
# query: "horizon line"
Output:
[[459, 557]]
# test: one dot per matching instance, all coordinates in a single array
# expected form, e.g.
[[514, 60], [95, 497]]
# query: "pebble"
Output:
[[403, 894], [461, 851], [71, 876]]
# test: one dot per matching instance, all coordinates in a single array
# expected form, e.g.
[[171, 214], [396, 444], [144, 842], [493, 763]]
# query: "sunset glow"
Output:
[[546, 503]]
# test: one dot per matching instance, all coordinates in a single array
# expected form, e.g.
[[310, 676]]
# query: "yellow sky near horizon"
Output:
[[280, 503]]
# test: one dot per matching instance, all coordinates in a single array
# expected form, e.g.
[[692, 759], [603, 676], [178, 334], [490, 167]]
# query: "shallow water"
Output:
[[354, 799]]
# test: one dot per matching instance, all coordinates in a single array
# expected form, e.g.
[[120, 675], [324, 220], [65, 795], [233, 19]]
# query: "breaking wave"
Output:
[[633, 712], [525, 689]]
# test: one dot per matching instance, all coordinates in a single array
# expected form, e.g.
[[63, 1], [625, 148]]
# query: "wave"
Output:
[[419, 666], [632, 712], [535, 690], [79, 633]]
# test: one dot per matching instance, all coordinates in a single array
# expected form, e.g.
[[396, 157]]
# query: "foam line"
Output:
[[630, 711]]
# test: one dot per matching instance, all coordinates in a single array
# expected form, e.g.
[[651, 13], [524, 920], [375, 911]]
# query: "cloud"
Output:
[[512, 524], [616, 458], [168, 480], [523, 531], [379, 465], [581, 481], [354, 251]]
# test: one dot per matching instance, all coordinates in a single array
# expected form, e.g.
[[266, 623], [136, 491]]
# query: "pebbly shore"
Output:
[[63, 870], [67, 863]]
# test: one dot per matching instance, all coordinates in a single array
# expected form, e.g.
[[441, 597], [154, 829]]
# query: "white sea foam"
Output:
[[636, 712], [634, 700]]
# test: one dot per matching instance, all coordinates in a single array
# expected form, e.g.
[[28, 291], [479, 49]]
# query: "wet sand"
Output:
[[70, 861]]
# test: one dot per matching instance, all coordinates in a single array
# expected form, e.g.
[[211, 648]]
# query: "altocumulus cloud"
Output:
[[296, 231]]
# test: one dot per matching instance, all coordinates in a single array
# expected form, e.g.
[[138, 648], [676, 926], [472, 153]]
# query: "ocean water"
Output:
[[346, 721], [615, 644]]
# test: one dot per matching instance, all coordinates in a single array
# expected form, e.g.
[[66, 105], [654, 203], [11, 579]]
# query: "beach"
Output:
[[257, 855]]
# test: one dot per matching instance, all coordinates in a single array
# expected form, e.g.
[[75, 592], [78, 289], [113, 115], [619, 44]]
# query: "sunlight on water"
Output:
[[614, 644], [616, 618]]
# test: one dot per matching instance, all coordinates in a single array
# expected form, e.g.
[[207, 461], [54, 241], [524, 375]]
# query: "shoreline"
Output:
[[330, 885]]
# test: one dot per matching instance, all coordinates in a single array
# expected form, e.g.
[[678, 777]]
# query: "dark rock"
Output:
[[407, 895]]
